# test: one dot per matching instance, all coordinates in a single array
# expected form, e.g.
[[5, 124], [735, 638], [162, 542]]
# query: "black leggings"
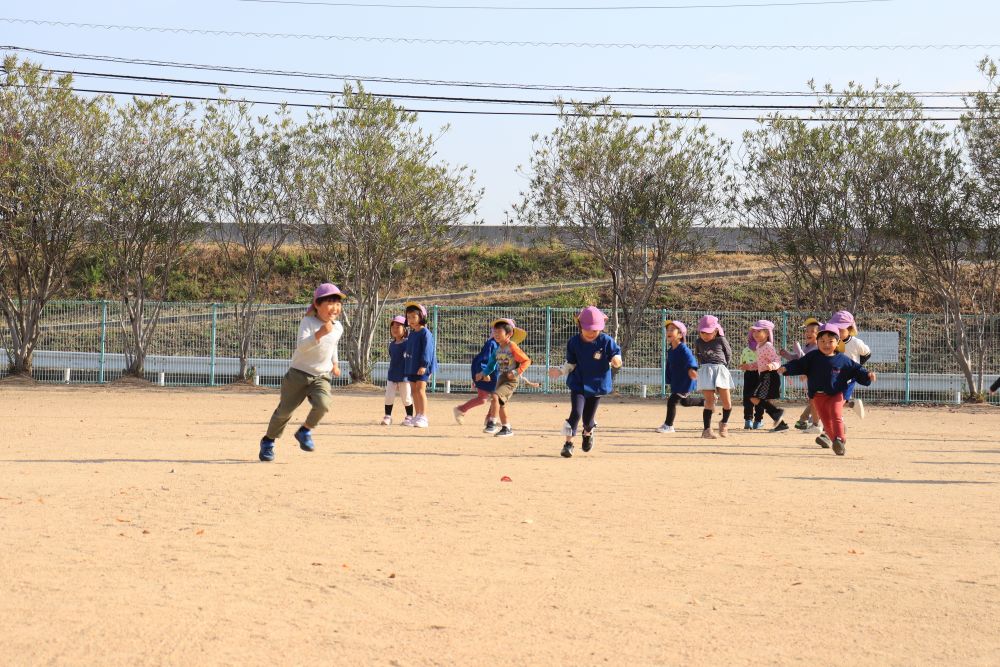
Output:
[[687, 400], [751, 411], [583, 406]]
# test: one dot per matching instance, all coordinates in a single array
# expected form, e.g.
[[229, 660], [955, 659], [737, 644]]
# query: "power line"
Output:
[[480, 100], [708, 92], [496, 42], [515, 8], [473, 112]]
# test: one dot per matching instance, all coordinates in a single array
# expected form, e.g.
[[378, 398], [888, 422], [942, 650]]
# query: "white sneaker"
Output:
[[386, 421], [812, 428], [663, 428], [407, 421], [859, 408], [420, 422], [459, 415], [567, 430]]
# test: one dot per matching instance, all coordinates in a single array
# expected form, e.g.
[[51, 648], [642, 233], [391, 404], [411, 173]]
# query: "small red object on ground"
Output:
[[505, 478]]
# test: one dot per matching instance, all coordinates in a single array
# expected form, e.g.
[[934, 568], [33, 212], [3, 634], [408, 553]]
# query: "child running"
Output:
[[419, 360], [313, 361], [396, 383], [713, 352], [808, 421], [856, 349], [507, 364], [682, 373], [829, 372], [768, 381], [483, 384], [753, 415], [590, 356]]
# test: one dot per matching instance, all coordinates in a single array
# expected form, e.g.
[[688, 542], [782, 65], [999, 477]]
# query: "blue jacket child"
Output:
[[486, 363]]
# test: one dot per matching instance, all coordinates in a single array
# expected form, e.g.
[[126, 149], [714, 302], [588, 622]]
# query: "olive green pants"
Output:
[[296, 387]]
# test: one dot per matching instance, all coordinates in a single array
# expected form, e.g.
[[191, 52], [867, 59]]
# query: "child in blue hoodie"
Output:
[[828, 375], [419, 360], [484, 385], [395, 379], [682, 373]]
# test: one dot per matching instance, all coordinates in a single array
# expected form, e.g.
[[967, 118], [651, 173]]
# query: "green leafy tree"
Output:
[[152, 198], [632, 196], [49, 138], [257, 171], [383, 198]]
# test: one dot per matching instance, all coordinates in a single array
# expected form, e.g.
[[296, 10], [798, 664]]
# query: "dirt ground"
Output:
[[138, 527]]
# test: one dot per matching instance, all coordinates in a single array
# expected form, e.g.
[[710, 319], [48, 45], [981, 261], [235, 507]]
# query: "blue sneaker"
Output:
[[758, 425], [305, 439], [747, 424], [266, 449]]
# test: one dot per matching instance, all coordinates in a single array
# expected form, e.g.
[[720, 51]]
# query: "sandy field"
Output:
[[138, 527]]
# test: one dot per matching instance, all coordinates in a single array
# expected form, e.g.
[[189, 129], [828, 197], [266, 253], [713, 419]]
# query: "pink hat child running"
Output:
[[760, 325], [591, 318], [710, 323]]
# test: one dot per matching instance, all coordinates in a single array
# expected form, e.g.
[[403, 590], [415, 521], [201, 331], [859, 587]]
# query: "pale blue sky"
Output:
[[495, 146]]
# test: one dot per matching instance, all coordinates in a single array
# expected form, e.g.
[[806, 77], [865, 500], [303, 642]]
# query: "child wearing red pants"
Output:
[[829, 373]]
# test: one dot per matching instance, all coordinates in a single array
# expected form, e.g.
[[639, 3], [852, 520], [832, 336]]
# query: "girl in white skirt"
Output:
[[713, 353]]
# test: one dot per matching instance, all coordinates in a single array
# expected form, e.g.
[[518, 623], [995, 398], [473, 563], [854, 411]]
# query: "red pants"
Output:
[[482, 397], [831, 411]]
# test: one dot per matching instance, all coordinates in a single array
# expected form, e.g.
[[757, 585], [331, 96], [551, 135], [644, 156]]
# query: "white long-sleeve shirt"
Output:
[[316, 357]]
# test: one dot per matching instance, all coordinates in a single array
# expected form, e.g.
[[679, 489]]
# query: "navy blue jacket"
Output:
[[396, 361], [480, 361], [829, 375], [680, 359], [592, 375], [420, 352]]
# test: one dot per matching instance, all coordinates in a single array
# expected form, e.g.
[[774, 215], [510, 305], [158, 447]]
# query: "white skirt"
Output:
[[714, 376]]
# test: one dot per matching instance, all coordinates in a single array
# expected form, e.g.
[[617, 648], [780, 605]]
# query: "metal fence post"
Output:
[[434, 328], [906, 385], [211, 363], [548, 345], [784, 346], [104, 336], [663, 352]]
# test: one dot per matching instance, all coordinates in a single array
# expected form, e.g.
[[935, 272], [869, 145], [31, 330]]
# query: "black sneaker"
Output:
[[780, 426], [266, 449], [838, 447], [567, 450], [823, 440], [588, 442], [504, 432]]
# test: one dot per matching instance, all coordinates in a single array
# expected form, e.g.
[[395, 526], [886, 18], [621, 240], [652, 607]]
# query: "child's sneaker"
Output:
[[304, 437], [779, 417], [780, 426], [758, 425], [665, 428], [459, 415], [567, 450], [567, 430], [407, 421], [723, 430], [386, 421], [708, 435], [838, 447], [492, 428], [420, 422], [802, 425], [813, 428], [859, 407], [823, 441], [588, 442], [266, 449], [747, 424], [504, 432]]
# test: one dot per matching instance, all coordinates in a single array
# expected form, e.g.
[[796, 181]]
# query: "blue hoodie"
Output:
[[481, 361], [420, 352], [680, 360], [829, 375]]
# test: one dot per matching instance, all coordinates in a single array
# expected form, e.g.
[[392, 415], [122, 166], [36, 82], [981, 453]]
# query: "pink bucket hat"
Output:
[[399, 319], [518, 336], [829, 328], [760, 325], [418, 306], [327, 289], [592, 318], [843, 319], [710, 323], [680, 326]]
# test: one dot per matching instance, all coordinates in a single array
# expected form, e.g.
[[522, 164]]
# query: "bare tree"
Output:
[[256, 169], [823, 200], [48, 139], [150, 215], [632, 196], [383, 201]]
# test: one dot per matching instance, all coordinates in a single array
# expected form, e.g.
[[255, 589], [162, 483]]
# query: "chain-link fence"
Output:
[[197, 344]]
